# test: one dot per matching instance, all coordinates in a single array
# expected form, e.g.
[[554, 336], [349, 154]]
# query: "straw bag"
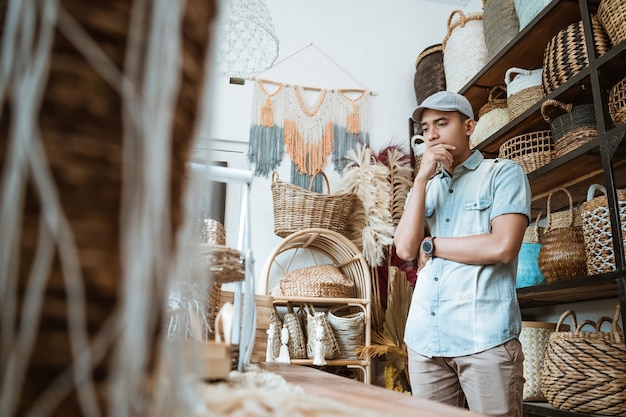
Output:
[[572, 129], [500, 24], [491, 117], [297, 209], [349, 329], [597, 229], [585, 371], [566, 53], [612, 15], [530, 150], [294, 343], [528, 273], [523, 89], [534, 338], [562, 253], [617, 102], [321, 341], [464, 49], [316, 281], [527, 10], [429, 73]]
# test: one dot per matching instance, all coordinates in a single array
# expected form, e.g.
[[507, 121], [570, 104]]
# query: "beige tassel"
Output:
[[318, 349], [284, 357]]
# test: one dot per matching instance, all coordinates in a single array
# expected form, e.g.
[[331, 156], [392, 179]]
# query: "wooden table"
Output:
[[354, 393]]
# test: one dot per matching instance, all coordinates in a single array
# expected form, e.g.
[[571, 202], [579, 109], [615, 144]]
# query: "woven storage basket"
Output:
[[612, 15], [562, 254], [566, 53], [534, 338], [223, 264], [572, 129], [212, 232], [523, 89], [531, 150], [464, 49], [597, 229], [349, 329], [585, 371], [491, 117], [500, 24], [617, 102], [297, 209], [528, 273], [316, 281], [527, 10], [319, 335], [429, 73], [296, 341]]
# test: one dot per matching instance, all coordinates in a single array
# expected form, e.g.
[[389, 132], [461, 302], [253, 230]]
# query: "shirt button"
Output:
[[436, 279], [447, 220], [450, 190], [432, 313]]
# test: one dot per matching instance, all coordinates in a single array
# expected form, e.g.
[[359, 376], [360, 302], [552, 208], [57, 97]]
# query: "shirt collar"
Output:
[[471, 163]]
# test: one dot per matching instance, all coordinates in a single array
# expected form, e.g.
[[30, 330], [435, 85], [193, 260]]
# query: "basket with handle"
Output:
[[531, 150], [429, 73], [464, 49], [584, 371], [597, 229], [617, 102], [527, 10], [500, 24], [492, 116], [562, 254], [296, 208], [612, 15], [523, 89], [528, 273], [575, 127]]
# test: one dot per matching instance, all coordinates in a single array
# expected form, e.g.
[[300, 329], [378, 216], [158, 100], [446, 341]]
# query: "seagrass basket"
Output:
[[566, 55], [597, 229], [584, 371], [296, 208], [612, 15], [429, 73], [323, 280], [492, 116], [617, 102], [500, 25], [349, 328], [575, 127], [534, 339], [531, 150], [523, 89]]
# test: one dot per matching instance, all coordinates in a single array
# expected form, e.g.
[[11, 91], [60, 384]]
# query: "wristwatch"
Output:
[[428, 246]]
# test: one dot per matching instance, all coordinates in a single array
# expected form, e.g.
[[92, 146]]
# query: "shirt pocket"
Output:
[[477, 216]]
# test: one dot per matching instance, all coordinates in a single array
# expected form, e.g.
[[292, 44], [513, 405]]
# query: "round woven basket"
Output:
[[612, 15], [531, 150], [429, 73], [617, 102], [349, 328], [584, 371], [492, 116]]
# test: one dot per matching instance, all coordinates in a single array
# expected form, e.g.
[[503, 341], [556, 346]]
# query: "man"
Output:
[[466, 224]]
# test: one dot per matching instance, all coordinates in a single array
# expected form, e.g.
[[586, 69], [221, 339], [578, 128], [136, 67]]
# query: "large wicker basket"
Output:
[[296, 208], [612, 15], [575, 127], [523, 89], [429, 73], [501, 24], [583, 371], [617, 102], [531, 150]]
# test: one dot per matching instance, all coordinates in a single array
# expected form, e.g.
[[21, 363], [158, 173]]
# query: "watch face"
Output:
[[427, 247]]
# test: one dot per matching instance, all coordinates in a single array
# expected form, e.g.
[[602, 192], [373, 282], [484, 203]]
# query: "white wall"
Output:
[[376, 42]]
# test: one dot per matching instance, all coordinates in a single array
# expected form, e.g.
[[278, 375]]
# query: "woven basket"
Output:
[[464, 49], [612, 15], [212, 232], [597, 229], [523, 89], [527, 10], [326, 339], [617, 102], [223, 264], [574, 139], [572, 129], [491, 117], [528, 273], [429, 73], [316, 281], [297, 209], [534, 338], [500, 24], [566, 53], [296, 342], [349, 329], [583, 371], [562, 254], [531, 150]]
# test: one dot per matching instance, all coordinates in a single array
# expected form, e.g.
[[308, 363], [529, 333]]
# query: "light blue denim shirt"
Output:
[[459, 309]]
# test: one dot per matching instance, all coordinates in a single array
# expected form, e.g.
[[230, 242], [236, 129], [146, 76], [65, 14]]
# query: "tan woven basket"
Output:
[[297, 209], [617, 102], [531, 150], [492, 116], [349, 329], [316, 281], [501, 24], [223, 264], [562, 254], [585, 371], [597, 229], [429, 73], [523, 89], [612, 15], [575, 127], [212, 233]]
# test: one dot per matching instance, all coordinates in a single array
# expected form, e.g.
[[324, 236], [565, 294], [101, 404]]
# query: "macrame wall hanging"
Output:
[[350, 125]]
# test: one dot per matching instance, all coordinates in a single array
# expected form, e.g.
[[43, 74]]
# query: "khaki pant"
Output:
[[492, 381]]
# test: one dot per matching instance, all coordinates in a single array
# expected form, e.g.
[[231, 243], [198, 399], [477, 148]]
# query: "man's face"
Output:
[[446, 127]]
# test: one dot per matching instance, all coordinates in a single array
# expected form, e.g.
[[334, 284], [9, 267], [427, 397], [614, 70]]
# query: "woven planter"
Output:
[[572, 129], [429, 73], [566, 53], [464, 49], [584, 371], [500, 24], [349, 329], [597, 229], [531, 150], [534, 338], [617, 102], [296, 208], [612, 15], [523, 89], [527, 10], [562, 254], [492, 116]]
